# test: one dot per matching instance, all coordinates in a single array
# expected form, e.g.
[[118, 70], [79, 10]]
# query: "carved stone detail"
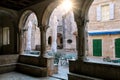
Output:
[[44, 28]]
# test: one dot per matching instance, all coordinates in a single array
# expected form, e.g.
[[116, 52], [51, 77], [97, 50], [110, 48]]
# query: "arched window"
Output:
[[49, 40]]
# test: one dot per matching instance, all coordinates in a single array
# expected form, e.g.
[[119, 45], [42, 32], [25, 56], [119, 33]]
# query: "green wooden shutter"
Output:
[[117, 48], [97, 47]]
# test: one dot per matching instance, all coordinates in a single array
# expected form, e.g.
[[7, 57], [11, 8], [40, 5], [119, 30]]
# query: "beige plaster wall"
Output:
[[108, 48]]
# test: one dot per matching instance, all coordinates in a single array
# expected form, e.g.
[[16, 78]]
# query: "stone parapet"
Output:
[[98, 70]]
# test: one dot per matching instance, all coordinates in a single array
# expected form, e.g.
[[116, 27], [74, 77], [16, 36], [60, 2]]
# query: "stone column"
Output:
[[54, 35], [21, 42], [43, 40], [80, 20]]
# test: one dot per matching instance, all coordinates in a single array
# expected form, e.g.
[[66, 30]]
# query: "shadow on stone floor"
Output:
[[62, 72], [19, 76]]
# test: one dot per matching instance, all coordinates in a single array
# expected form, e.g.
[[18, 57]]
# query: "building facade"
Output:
[[104, 29], [61, 30]]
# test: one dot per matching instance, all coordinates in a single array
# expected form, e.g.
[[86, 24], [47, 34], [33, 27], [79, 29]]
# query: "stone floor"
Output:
[[62, 73], [63, 70], [19, 76]]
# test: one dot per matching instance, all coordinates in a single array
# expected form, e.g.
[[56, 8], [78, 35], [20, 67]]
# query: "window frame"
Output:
[[6, 35], [104, 16]]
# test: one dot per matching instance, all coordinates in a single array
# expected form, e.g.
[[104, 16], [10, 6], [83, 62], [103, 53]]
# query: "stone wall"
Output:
[[95, 70], [108, 45], [8, 63], [109, 25], [5, 16]]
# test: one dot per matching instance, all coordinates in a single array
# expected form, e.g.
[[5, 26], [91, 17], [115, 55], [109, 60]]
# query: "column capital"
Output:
[[44, 27], [80, 21]]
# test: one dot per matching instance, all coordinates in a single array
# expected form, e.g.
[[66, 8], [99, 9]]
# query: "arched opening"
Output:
[[8, 32], [30, 34], [59, 41], [61, 28], [49, 40], [65, 25]]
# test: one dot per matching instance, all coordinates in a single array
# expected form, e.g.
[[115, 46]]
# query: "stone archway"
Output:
[[26, 26], [8, 22], [80, 13]]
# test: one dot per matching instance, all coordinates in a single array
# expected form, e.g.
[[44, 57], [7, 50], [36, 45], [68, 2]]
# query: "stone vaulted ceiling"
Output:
[[18, 4]]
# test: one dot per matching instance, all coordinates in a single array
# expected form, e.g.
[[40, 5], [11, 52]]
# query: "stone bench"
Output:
[[31, 65], [5, 68], [28, 64], [31, 70], [8, 63]]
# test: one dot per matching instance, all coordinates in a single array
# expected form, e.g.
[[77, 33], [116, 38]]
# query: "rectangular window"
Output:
[[6, 35], [105, 12]]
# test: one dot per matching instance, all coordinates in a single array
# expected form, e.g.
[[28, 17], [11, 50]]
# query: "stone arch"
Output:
[[8, 19], [48, 12], [23, 18], [80, 13], [10, 13], [22, 27]]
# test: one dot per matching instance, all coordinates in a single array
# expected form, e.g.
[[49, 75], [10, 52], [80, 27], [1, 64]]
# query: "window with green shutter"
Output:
[[117, 48], [97, 47]]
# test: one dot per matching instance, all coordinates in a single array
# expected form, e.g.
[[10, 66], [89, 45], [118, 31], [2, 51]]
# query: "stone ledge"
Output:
[[7, 64], [31, 70], [102, 71], [72, 76], [7, 68]]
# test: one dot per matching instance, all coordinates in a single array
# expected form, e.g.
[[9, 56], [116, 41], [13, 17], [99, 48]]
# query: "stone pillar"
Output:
[[80, 20], [43, 59], [54, 35], [43, 40], [20, 42]]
